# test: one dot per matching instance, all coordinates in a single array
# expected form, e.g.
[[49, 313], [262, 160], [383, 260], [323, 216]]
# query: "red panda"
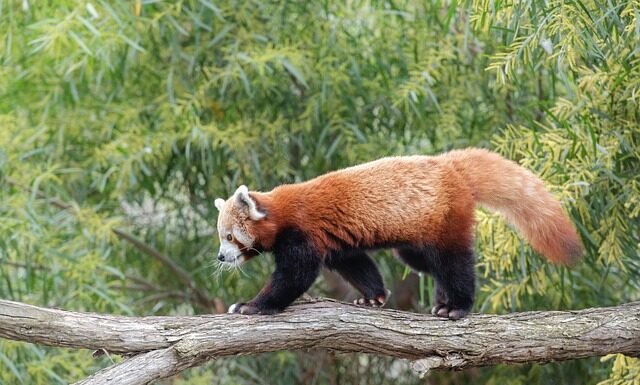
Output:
[[421, 206]]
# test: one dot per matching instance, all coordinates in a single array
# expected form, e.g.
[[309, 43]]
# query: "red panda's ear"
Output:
[[219, 203], [244, 199]]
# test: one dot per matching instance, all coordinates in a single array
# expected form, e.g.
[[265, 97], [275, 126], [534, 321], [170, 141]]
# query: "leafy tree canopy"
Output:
[[135, 115]]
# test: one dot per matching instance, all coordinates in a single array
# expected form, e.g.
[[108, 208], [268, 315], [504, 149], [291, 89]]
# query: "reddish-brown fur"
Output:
[[417, 200]]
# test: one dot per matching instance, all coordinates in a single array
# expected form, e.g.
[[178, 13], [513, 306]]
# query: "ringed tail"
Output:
[[515, 192]]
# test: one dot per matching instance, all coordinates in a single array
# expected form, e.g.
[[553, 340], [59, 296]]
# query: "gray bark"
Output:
[[172, 344], [142, 369]]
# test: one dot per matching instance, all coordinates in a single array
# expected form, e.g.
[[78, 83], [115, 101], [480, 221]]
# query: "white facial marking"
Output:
[[232, 308], [233, 226], [242, 237], [229, 250]]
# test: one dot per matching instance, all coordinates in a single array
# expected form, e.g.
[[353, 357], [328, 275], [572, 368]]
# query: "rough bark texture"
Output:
[[172, 344], [141, 369]]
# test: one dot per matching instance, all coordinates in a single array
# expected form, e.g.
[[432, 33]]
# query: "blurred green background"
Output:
[[136, 115]]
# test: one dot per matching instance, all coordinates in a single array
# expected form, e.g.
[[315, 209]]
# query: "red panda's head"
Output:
[[239, 227]]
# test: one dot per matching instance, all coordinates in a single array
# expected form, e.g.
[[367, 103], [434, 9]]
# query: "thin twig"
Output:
[[179, 272]]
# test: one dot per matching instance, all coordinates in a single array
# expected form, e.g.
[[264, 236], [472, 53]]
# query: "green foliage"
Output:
[[138, 114], [626, 370]]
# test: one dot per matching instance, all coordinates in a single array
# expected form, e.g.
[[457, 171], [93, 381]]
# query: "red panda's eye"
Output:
[[229, 237]]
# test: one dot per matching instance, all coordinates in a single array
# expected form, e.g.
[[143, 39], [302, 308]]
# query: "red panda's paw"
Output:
[[242, 308], [440, 310], [443, 311], [377, 301], [248, 309]]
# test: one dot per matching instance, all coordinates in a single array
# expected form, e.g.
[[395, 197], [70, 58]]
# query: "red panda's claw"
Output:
[[444, 312], [456, 314], [250, 309], [243, 308], [378, 301], [440, 310]]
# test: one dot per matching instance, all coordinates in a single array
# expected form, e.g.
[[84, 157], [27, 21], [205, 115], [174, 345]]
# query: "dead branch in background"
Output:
[[200, 296]]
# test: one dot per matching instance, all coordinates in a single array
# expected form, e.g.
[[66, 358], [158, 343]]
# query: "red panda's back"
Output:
[[390, 200]]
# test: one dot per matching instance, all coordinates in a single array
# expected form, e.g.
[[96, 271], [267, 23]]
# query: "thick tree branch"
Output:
[[171, 344], [140, 370]]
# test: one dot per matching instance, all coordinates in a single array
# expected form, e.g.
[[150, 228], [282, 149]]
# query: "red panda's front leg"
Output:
[[297, 267]]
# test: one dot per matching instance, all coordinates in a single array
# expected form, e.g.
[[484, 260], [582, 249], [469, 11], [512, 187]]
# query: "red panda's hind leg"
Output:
[[453, 273], [440, 302], [361, 272], [455, 280]]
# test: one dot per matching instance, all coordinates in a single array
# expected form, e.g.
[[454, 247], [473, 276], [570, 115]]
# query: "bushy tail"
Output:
[[515, 192]]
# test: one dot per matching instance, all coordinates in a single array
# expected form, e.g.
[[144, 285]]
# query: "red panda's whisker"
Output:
[[218, 272], [240, 269], [251, 248]]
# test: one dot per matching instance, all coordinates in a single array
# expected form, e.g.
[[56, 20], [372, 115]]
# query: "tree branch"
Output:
[[139, 370], [172, 344]]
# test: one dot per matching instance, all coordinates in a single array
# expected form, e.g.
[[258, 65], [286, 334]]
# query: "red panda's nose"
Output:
[[220, 257]]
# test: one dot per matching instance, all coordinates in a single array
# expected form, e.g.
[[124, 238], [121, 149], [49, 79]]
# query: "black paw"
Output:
[[377, 301], [243, 308], [444, 311], [248, 309]]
